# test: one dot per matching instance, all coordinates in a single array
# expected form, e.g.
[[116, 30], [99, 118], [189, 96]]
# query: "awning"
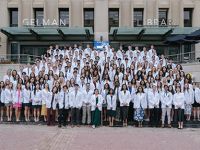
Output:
[[142, 34], [179, 39], [194, 35], [48, 33]]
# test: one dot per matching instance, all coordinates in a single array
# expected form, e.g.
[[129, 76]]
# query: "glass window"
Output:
[[64, 17], [163, 17], [138, 17], [113, 17], [188, 17], [89, 17], [14, 17], [39, 16]]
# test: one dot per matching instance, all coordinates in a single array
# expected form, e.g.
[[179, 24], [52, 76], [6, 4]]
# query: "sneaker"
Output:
[[59, 126], [93, 126]]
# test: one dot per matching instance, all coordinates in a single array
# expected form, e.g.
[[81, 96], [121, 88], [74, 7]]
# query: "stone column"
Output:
[[76, 13], [101, 20], [51, 11], [126, 13]]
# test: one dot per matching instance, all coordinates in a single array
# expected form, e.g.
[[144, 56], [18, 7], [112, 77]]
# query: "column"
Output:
[[101, 20], [76, 13], [126, 13]]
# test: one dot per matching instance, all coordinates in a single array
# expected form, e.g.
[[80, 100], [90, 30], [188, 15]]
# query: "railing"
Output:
[[26, 58], [189, 57], [18, 58]]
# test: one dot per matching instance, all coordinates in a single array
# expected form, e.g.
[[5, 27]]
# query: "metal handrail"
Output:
[[188, 57], [18, 58]]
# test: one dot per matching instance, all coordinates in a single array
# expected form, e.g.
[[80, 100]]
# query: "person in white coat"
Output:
[[64, 106], [166, 105], [27, 101], [140, 104], [111, 106], [179, 103], [76, 104], [188, 93], [2, 89], [196, 104], [51, 103], [124, 98], [18, 99], [153, 102], [8, 96], [45, 96], [86, 114], [36, 102], [96, 103]]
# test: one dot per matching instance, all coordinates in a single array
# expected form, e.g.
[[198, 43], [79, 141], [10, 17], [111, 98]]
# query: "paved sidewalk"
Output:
[[36, 137]]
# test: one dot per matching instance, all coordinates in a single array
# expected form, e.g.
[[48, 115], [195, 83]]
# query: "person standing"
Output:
[[96, 103], [196, 104], [76, 104], [37, 102], [27, 100], [8, 100], [64, 106], [140, 104], [188, 93], [2, 89], [166, 105], [124, 98], [51, 103], [86, 114], [18, 99], [179, 102], [45, 96], [111, 106], [154, 99]]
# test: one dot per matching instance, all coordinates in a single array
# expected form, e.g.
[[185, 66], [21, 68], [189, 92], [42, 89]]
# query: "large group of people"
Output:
[[85, 86]]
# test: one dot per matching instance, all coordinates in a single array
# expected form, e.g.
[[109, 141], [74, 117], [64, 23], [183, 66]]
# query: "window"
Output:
[[89, 17], [163, 17], [13, 17], [64, 17], [39, 16], [188, 17], [113, 17], [138, 17]]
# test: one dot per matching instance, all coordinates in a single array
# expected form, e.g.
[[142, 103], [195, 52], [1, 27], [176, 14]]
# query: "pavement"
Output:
[[41, 137]]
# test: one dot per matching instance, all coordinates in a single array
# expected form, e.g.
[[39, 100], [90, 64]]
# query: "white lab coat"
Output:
[[37, 97], [93, 102], [153, 99], [61, 100], [49, 100], [26, 96], [45, 96], [8, 96], [140, 101], [179, 100], [166, 99], [124, 98], [86, 97], [189, 97], [18, 98], [111, 104], [2, 96], [196, 95], [75, 101]]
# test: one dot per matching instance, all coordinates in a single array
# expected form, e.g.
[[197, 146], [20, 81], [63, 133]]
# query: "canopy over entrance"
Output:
[[48, 33], [147, 34]]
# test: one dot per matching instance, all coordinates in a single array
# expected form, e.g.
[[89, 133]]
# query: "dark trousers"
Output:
[[75, 116], [180, 114], [124, 113], [154, 117], [51, 116], [62, 116]]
